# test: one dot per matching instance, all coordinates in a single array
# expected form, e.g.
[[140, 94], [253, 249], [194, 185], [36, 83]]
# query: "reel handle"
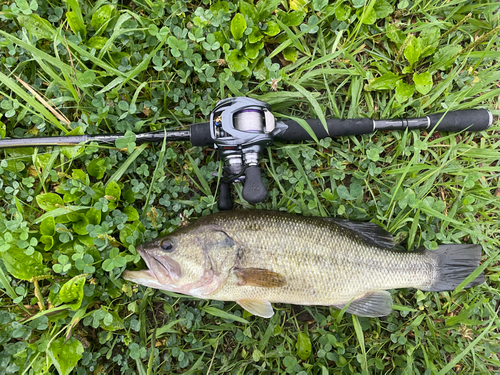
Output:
[[254, 190], [225, 202]]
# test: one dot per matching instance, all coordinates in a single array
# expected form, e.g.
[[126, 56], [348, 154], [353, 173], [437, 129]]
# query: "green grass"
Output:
[[101, 67]]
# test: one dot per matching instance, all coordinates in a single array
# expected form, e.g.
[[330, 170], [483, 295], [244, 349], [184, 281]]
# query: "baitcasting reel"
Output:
[[240, 129]]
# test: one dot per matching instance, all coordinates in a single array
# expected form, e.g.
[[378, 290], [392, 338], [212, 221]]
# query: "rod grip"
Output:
[[336, 128], [466, 119], [200, 134]]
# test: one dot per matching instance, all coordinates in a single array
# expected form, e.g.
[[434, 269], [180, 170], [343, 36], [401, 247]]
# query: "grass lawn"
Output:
[[72, 216]]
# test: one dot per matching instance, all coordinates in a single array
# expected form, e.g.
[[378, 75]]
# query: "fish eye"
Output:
[[167, 245]]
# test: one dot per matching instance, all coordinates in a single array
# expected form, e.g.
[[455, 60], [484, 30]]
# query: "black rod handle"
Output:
[[200, 134], [336, 128], [467, 119], [454, 121]]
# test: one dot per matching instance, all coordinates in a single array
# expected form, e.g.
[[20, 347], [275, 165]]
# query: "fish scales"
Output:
[[323, 264], [259, 257]]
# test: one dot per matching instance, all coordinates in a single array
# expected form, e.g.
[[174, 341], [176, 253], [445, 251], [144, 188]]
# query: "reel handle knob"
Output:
[[254, 190], [225, 202]]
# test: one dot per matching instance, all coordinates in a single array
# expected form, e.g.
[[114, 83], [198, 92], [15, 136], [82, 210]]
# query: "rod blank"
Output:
[[73, 140]]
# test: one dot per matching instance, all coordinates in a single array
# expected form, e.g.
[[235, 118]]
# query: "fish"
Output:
[[259, 257]]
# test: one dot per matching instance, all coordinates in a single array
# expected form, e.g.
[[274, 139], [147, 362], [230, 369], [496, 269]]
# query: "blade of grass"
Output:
[[137, 92], [143, 65], [312, 100], [356, 89], [196, 366], [95, 60], [361, 341], [304, 125], [205, 187], [30, 100], [56, 78], [269, 331], [167, 328], [46, 169], [140, 367], [446, 370], [114, 83], [234, 90], [60, 116], [123, 168], [159, 164], [48, 312], [223, 314], [276, 179], [313, 64], [8, 288], [72, 78], [40, 54], [413, 229], [280, 48], [328, 71], [117, 30], [322, 211], [59, 212], [75, 8], [285, 99], [291, 35], [152, 355]]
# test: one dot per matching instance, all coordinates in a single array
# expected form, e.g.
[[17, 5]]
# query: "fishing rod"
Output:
[[240, 128]]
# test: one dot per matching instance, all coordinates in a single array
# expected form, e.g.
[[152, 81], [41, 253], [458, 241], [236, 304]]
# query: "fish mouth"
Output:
[[143, 277], [162, 269]]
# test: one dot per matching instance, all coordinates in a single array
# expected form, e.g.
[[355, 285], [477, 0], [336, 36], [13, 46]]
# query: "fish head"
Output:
[[183, 261]]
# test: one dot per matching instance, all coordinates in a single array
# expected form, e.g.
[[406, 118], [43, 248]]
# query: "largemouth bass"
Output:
[[259, 257]]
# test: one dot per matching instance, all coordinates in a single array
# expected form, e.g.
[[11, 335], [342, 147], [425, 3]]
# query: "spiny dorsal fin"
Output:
[[259, 277], [259, 308], [370, 233], [370, 305]]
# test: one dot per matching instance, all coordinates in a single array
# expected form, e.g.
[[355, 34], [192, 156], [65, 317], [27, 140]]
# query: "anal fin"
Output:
[[259, 308], [373, 304]]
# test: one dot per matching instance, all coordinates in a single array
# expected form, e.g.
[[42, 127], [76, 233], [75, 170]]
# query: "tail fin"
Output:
[[454, 264]]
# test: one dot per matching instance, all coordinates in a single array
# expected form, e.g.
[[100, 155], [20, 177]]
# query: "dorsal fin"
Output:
[[370, 233]]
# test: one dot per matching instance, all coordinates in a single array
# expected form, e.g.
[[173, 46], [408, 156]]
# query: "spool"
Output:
[[249, 120]]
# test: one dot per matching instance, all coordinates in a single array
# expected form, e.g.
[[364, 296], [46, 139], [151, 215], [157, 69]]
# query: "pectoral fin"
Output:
[[259, 277], [259, 308], [370, 305]]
